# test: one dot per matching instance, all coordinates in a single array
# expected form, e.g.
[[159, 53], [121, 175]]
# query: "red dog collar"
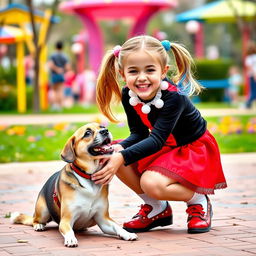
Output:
[[80, 172]]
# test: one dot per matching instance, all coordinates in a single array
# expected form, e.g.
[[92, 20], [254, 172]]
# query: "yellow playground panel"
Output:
[[13, 35], [17, 14]]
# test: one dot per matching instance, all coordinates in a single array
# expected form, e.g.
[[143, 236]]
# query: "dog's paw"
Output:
[[70, 240], [128, 236], [39, 227], [14, 216]]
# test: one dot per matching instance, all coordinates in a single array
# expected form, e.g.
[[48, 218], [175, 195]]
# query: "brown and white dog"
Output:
[[70, 197]]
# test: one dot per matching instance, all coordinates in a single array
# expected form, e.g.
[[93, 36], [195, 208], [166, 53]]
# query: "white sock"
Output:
[[158, 206], [198, 199]]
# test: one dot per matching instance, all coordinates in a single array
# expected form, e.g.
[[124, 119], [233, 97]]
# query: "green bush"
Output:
[[8, 90], [8, 75], [212, 70], [8, 97]]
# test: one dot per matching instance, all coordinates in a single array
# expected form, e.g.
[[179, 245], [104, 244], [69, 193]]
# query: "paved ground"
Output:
[[234, 220]]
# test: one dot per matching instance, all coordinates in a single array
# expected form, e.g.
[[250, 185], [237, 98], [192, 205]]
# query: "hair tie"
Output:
[[166, 44], [116, 50]]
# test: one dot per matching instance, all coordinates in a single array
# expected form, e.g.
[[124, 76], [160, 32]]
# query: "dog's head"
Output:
[[90, 142]]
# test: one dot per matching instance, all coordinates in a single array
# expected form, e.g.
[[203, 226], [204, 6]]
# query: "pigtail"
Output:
[[184, 79], [107, 88]]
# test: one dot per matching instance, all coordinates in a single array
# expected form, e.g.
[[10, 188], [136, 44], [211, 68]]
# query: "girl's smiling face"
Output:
[[143, 73]]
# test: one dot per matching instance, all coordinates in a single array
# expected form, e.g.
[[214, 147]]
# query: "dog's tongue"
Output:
[[105, 149]]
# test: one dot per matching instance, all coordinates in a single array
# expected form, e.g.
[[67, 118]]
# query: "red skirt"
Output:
[[197, 165]]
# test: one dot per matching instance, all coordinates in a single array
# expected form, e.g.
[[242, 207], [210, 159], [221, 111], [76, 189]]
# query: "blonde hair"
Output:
[[108, 88]]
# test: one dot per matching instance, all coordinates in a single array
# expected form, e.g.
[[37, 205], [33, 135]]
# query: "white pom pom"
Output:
[[159, 103], [132, 94], [145, 109], [164, 85], [133, 101]]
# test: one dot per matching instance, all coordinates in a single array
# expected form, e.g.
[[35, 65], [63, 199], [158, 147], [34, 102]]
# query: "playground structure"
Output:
[[16, 14], [92, 11], [13, 35], [221, 11]]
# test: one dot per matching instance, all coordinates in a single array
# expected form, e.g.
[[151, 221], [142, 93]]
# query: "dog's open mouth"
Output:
[[105, 148]]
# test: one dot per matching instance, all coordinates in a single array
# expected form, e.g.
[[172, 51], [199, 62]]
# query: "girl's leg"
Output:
[[199, 208], [130, 178], [151, 208], [161, 187]]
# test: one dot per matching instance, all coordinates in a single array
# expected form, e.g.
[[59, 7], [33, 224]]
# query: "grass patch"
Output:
[[93, 109], [45, 142]]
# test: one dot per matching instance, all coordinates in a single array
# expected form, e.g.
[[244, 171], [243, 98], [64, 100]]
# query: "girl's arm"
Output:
[[143, 148], [163, 127]]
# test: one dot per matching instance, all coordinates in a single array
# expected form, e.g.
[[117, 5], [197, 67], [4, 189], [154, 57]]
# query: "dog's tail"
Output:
[[20, 218]]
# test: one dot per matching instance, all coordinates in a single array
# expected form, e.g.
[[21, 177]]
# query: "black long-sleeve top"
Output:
[[178, 117]]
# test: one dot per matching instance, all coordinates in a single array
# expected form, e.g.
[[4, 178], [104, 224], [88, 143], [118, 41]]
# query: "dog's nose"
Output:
[[104, 132]]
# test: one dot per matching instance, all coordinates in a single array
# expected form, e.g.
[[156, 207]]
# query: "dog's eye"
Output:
[[87, 133]]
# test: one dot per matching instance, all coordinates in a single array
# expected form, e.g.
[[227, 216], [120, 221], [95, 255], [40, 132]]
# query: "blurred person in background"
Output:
[[58, 64], [250, 64], [86, 81], [70, 77], [235, 80], [29, 64]]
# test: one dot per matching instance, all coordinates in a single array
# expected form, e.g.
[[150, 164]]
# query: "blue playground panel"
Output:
[[214, 84]]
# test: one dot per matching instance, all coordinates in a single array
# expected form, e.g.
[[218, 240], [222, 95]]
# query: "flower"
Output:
[[16, 130], [230, 125], [31, 139], [3, 127], [60, 126], [49, 133], [251, 125], [213, 127]]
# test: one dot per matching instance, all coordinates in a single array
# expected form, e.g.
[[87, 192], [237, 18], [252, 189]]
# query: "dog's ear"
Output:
[[68, 153]]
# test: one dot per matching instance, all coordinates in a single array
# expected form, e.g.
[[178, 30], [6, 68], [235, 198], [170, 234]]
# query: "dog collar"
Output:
[[80, 172]]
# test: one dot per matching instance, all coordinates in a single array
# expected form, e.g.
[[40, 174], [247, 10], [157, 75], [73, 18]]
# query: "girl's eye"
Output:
[[132, 71], [150, 70]]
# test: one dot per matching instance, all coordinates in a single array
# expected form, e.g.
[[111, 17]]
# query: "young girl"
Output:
[[169, 155]]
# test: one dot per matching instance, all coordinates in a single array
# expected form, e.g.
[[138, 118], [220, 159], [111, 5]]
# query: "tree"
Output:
[[38, 45]]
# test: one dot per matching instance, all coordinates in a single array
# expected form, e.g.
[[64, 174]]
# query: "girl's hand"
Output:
[[117, 147], [105, 175]]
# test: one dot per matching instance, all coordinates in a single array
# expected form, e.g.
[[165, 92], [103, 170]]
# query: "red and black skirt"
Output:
[[196, 165]]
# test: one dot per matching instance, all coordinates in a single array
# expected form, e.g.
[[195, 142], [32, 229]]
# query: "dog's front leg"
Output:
[[108, 226], [67, 232]]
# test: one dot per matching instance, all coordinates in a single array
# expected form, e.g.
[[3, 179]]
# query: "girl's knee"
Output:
[[152, 188]]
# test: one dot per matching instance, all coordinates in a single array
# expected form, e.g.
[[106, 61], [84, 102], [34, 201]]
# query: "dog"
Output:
[[70, 197]]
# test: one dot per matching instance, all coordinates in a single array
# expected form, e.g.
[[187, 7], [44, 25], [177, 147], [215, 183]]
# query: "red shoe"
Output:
[[141, 223], [198, 220]]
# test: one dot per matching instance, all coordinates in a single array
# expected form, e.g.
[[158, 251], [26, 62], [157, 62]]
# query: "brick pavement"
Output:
[[234, 221]]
